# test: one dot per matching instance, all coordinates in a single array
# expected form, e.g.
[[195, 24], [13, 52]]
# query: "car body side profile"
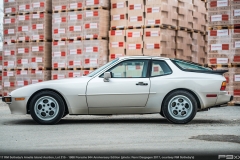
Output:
[[174, 88]]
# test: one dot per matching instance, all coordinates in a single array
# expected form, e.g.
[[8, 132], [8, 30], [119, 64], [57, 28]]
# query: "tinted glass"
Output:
[[160, 68], [189, 66], [130, 69]]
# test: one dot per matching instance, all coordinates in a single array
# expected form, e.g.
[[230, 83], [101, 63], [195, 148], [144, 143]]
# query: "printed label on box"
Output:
[[21, 50], [91, 13], [134, 34], [37, 26], [216, 18], [39, 59], [222, 60], [60, 43], [131, 67], [222, 3], [9, 74], [75, 28], [24, 61], [236, 12], [92, 2], [236, 78], [37, 16], [116, 33], [10, 1], [38, 4], [135, 6], [91, 25], [61, 76], [216, 47], [118, 5], [93, 61], [117, 44], [23, 72], [237, 44], [23, 17], [8, 10], [25, 28], [11, 31], [9, 21], [6, 84], [134, 46], [9, 63], [91, 49], [34, 81], [61, 30], [223, 32], [150, 46], [135, 18], [153, 10], [75, 5], [117, 17], [75, 51], [113, 56]]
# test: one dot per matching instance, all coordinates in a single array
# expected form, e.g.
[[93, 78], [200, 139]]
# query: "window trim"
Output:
[[148, 67], [150, 73]]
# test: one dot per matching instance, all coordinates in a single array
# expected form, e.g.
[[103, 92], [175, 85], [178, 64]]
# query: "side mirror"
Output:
[[107, 76]]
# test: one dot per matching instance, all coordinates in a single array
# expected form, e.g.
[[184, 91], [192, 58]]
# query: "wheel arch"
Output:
[[184, 89], [65, 103]]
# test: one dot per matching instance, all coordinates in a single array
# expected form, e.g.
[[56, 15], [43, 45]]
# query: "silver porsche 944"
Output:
[[175, 89]]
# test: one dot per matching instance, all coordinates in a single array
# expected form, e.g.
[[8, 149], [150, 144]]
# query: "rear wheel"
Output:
[[47, 107], [180, 107]]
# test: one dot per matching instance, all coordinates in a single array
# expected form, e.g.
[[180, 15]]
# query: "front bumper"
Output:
[[16, 107], [7, 99]]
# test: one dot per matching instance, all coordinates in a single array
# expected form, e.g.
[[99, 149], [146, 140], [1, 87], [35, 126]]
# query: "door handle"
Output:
[[141, 84]]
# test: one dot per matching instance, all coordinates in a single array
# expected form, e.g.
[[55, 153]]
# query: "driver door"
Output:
[[128, 87]]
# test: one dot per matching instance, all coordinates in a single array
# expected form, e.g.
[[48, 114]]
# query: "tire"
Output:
[[47, 107], [161, 113], [180, 107]]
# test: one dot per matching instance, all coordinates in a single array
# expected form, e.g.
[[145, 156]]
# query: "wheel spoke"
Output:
[[46, 108], [180, 107]]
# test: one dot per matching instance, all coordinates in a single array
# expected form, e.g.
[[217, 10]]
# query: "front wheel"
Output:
[[47, 107], [180, 107]]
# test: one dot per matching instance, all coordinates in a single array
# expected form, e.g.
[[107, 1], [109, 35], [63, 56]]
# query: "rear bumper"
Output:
[[224, 98]]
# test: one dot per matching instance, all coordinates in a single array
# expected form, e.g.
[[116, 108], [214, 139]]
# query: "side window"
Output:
[[160, 68], [130, 69]]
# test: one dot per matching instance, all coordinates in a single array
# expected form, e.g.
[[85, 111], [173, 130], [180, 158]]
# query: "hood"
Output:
[[52, 84]]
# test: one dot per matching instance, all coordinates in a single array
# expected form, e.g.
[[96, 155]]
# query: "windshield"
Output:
[[101, 68], [185, 65]]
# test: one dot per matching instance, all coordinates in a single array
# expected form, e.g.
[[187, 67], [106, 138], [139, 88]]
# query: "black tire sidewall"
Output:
[[176, 93], [50, 94]]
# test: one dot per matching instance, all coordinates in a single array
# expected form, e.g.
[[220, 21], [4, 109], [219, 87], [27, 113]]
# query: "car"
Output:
[[174, 88]]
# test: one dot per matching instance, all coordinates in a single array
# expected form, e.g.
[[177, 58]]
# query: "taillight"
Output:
[[223, 87]]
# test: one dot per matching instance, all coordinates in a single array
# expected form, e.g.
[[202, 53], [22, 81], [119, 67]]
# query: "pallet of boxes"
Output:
[[167, 28], [80, 37], [27, 43], [224, 42]]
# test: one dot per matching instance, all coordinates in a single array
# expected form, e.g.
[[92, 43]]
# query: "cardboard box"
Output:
[[135, 19], [10, 29], [10, 7], [59, 25], [41, 5], [219, 18], [116, 53], [96, 23], [75, 54], [24, 27], [134, 49], [59, 54], [118, 6], [9, 56], [74, 5], [40, 57], [115, 35], [134, 35], [118, 19], [97, 3], [37, 76], [41, 27], [59, 5], [24, 6], [75, 25]]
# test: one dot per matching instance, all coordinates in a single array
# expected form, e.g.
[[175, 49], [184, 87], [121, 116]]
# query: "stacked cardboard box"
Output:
[[27, 30], [224, 40], [0, 73], [80, 33], [159, 42]]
